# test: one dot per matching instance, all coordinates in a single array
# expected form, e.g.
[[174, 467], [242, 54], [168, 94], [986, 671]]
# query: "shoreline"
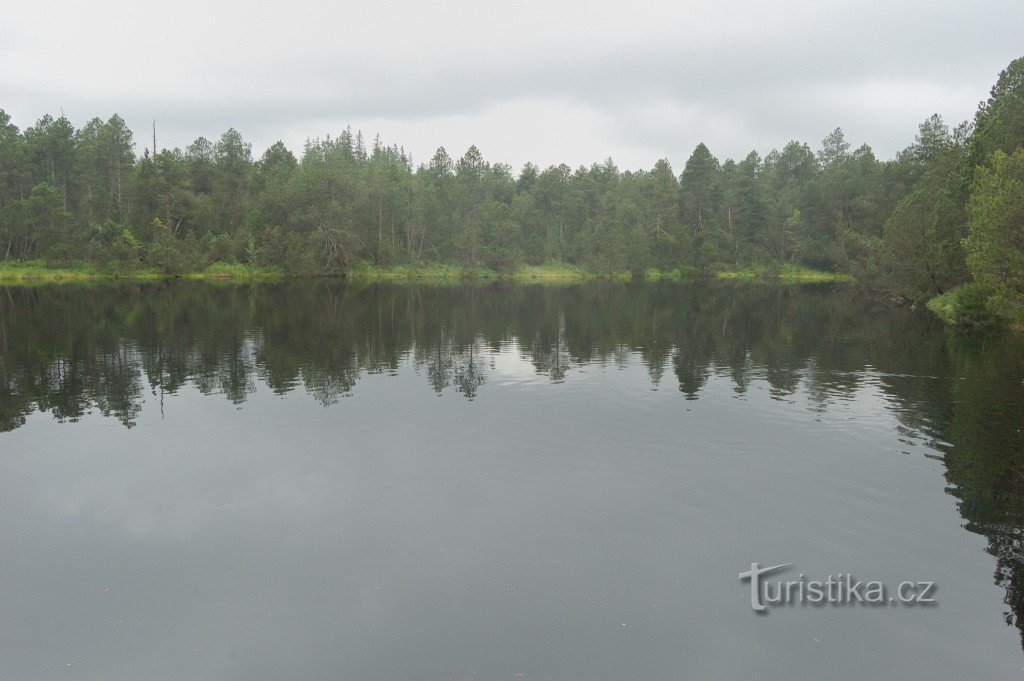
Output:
[[36, 273]]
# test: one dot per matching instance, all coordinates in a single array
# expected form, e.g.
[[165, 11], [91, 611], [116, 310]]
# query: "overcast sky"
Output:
[[549, 81]]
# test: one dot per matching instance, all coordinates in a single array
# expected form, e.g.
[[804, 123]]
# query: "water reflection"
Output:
[[69, 351]]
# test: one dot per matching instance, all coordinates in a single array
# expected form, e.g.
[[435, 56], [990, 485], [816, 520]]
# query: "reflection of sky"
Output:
[[512, 363], [590, 529]]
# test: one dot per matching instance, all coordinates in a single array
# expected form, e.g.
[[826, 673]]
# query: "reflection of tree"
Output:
[[691, 372], [549, 355], [450, 363], [695, 345], [235, 373], [470, 370], [119, 386], [439, 362], [68, 350], [985, 455]]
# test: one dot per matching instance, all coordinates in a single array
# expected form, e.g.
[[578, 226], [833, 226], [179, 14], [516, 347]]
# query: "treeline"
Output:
[[944, 213]]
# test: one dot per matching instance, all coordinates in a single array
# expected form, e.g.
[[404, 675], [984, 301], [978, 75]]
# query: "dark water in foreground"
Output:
[[315, 481]]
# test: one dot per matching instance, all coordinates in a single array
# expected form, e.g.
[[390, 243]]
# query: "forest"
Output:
[[942, 222]]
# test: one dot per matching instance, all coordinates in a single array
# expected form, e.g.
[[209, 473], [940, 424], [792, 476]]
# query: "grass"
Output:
[[676, 274], [558, 273], [551, 273], [38, 272], [785, 274], [220, 270], [368, 272], [944, 306]]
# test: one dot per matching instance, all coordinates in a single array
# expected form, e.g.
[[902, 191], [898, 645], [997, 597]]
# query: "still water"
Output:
[[322, 481]]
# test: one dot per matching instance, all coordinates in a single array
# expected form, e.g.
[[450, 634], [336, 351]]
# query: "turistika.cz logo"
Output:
[[838, 589]]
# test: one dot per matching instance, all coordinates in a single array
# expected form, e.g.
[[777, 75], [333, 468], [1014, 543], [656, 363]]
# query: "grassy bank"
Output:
[[399, 273], [529, 273], [785, 274], [37, 272], [563, 273], [224, 271], [676, 274]]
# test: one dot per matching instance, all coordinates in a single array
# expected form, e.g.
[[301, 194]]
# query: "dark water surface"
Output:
[[321, 481]]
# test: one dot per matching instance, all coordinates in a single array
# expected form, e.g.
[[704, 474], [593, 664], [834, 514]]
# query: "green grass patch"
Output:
[[220, 270], [368, 272], [558, 273], [675, 274], [37, 271], [785, 274], [552, 273], [944, 307]]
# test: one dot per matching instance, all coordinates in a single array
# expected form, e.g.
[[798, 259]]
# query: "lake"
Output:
[[316, 480]]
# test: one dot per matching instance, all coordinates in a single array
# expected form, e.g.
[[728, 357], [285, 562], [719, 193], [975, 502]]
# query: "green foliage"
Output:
[[967, 304], [995, 246], [999, 123], [169, 254]]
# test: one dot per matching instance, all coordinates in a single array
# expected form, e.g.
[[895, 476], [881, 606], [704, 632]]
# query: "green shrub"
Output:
[[967, 305]]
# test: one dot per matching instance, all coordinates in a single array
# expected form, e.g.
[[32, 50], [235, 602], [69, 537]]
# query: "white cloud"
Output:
[[553, 81]]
